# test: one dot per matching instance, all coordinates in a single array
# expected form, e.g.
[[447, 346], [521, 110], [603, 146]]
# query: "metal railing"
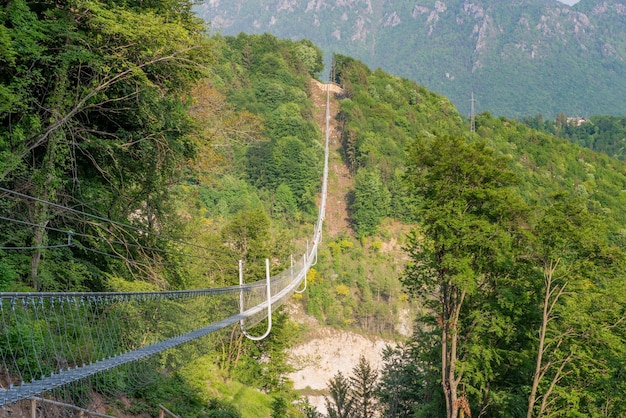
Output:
[[48, 340]]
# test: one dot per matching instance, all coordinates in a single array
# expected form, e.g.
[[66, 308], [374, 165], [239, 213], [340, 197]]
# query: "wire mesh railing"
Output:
[[48, 340]]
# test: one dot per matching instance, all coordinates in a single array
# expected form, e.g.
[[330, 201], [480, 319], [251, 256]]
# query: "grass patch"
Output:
[[210, 382]]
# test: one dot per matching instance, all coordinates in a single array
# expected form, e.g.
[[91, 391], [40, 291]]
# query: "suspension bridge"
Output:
[[51, 340]]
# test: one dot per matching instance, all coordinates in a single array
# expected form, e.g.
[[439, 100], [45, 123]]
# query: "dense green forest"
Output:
[[516, 257], [187, 143], [141, 153], [605, 134], [563, 58]]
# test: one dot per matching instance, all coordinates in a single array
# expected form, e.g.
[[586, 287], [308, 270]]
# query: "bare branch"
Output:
[[81, 105]]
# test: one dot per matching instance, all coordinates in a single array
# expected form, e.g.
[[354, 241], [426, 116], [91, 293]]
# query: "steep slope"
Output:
[[382, 112], [325, 350], [340, 183], [519, 58]]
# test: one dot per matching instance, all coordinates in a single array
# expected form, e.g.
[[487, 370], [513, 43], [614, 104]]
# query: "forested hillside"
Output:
[[140, 152], [517, 255], [519, 58], [605, 134]]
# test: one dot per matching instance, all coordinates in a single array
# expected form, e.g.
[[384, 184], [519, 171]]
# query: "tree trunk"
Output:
[[449, 344], [551, 296], [38, 240], [40, 235]]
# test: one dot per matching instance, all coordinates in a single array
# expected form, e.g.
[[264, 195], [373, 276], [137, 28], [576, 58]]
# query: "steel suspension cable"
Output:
[[66, 337]]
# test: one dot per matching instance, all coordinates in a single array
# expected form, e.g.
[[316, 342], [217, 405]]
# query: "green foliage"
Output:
[[9, 273], [550, 49], [94, 108], [310, 56], [482, 228], [353, 396], [340, 404], [284, 201], [381, 117], [248, 234], [370, 202], [118, 284], [97, 114], [269, 78], [605, 134], [222, 409], [200, 389], [546, 165], [265, 363], [230, 196], [287, 161], [468, 213], [175, 394], [18, 331], [406, 382], [363, 383], [375, 294], [279, 407], [578, 263]]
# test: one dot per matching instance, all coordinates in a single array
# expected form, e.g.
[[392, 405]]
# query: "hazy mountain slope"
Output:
[[519, 57]]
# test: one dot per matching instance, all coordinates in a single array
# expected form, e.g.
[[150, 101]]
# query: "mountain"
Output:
[[138, 154], [518, 57]]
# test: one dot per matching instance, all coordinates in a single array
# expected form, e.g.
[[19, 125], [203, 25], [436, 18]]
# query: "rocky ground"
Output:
[[326, 351]]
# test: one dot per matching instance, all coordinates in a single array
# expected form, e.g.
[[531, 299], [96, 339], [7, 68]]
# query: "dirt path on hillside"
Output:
[[339, 179]]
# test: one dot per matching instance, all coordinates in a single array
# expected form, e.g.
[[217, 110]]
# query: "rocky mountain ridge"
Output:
[[519, 57]]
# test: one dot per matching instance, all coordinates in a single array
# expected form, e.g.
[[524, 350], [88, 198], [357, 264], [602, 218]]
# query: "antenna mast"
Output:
[[472, 115]]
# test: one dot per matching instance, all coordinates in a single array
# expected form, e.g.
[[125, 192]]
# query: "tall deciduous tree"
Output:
[[579, 313], [467, 213], [97, 112]]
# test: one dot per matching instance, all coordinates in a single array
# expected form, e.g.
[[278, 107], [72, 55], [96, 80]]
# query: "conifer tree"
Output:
[[363, 387], [341, 403]]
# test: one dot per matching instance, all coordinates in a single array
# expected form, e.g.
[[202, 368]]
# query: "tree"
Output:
[[370, 202], [401, 381], [467, 214], [286, 161], [97, 113], [264, 364], [279, 407], [560, 122], [363, 388], [341, 403], [578, 317], [248, 235], [310, 56], [284, 201], [308, 410], [218, 408], [221, 129]]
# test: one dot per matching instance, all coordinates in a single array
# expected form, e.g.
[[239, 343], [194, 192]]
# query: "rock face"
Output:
[[332, 351], [327, 351], [520, 57]]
